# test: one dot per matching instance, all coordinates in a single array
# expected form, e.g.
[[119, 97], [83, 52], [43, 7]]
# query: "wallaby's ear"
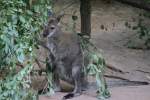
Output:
[[60, 16], [49, 13]]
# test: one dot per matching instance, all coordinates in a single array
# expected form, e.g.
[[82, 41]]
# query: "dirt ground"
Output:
[[112, 40], [117, 93]]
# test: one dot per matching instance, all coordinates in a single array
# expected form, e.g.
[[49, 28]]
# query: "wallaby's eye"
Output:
[[52, 28]]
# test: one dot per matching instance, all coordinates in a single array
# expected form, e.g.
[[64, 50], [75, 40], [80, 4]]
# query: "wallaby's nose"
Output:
[[45, 31], [44, 35]]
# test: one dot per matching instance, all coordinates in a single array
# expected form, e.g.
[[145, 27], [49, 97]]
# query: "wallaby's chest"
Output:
[[64, 45]]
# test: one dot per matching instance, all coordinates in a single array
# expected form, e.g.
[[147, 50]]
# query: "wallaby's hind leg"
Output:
[[76, 74]]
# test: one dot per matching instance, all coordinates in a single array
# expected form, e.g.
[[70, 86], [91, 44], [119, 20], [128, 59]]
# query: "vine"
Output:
[[20, 22]]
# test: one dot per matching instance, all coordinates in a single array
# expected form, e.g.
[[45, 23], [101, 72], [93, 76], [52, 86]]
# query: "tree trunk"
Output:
[[142, 4], [85, 12]]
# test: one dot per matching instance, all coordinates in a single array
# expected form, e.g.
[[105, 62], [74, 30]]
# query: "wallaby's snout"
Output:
[[50, 30], [45, 32]]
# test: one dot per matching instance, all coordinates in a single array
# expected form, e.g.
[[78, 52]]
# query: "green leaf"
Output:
[[22, 19], [20, 55], [98, 80], [29, 12], [17, 17]]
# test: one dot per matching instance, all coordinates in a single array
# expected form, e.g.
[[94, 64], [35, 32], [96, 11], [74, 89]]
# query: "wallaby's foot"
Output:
[[71, 95]]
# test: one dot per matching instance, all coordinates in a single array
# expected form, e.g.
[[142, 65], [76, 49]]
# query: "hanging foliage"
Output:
[[20, 22]]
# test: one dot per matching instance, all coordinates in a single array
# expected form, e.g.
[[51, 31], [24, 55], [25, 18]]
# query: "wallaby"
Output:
[[67, 57]]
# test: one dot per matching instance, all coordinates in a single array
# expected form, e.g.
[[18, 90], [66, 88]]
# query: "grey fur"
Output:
[[68, 57]]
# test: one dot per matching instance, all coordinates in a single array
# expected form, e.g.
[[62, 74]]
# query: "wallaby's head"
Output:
[[52, 28]]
